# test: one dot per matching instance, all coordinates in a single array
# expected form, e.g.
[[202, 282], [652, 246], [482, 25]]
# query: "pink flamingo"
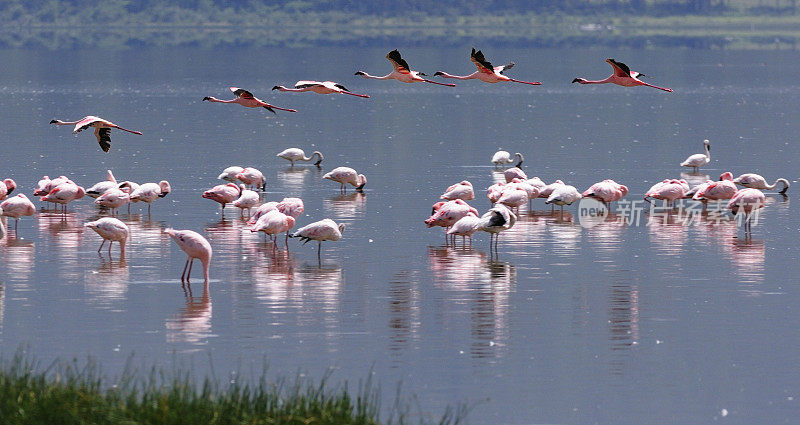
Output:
[[465, 227], [447, 213], [224, 194], [101, 187], [6, 187], [292, 207], [195, 246], [346, 175], [563, 195], [486, 72], [272, 223], [16, 207], [668, 190], [512, 197], [463, 190], [261, 210], [725, 188], [248, 199], [46, 184], [319, 87], [252, 177], [494, 221], [531, 190], [113, 199], [514, 173], [756, 181], [323, 230], [65, 193], [110, 229], [149, 192], [748, 201], [402, 72], [102, 129], [246, 99], [622, 76], [230, 173], [606, 191], [297, 154]]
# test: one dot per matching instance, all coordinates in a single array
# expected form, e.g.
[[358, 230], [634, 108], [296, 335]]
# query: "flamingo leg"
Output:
[[533, 83], [319, 251], [101, 245], [441, 84], [185, 266], [109, 247], [189, 273]]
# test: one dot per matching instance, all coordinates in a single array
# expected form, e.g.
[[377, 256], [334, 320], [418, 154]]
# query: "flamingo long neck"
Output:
[[784, 182], [610, 79], [205, 262], [708, 151], [214, 99], [375, 77], [59, 122], [459, 77], [125, 129]]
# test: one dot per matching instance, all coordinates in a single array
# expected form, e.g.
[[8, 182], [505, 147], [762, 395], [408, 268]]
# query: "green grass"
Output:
[[73, 393]]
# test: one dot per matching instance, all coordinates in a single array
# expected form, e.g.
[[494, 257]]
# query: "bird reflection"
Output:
[[192, 323], [348, 205], [667, 233], [404, 310], [293, 179], [606, 237], [747, 258], [66, 236], [623, 319], [17, 258], [109, 282], [695, 178]]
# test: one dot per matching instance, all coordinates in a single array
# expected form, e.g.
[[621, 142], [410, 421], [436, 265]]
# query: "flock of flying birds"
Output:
[[454, 214]]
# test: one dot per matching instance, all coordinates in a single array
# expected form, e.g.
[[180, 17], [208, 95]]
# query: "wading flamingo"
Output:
[[247, 199], [463, 190], [465, 227], [195, 246], [486, 72], [622, 76], [246, 99], [496, 220], [667, 190], [714, 191], [65, 193], [402, 72], [16, 207], [253, 177], [503, 157], [514, 173], [699, 159], [756, 181], [111, 229], [230, 173], [113, 199], [100, 188], [747, 201], [224, 194], [149, 192], [319, 87], [563, 195], [346, 175], [606, 191], [297, 154], [323, 230], [102, 129], [272, 223]]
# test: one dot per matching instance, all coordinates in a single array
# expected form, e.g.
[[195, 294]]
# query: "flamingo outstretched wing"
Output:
[[305, 84], [103, 138], [242, 93], [85, 123], [480, 61], [620, 69], [339, 86], [501, 68], [400, 65]]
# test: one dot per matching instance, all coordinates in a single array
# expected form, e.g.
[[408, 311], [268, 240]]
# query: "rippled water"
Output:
[[624, 322]]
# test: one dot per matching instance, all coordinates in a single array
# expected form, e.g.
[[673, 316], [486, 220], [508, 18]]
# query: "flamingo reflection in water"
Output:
[[107, 285], [192, 323]]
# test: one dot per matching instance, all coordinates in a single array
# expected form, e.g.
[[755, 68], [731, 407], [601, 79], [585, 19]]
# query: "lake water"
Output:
[[623, 323]]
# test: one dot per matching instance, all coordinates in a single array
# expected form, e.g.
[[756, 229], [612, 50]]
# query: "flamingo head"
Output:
[[438, 73], [360, 73], [726, 176], [165, 188], [579, 80], [10, 185], [204, 99], [362, 180]]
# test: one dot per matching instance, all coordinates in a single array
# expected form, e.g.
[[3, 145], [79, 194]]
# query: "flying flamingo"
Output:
[[622, 76], [113, 199], [486, 72], [246, 99], [319, 87], [253, 177], [699, 159], [346, 175], [323, 230], [297, 154], [195, 246], [402, 72], [6, 187], [101, 187], [149, 192], [224, 194], [465, 227], [102, 129], [748, 201], [503, 157], [496, 220], [16, 207], [272, 223], [230, 173], [110, 229], [463, 190], [756, 181]]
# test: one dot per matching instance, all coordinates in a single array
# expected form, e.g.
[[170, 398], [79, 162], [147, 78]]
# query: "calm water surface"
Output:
[[618, 323]]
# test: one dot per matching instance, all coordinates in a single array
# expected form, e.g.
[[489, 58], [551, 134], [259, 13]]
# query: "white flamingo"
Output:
[[297, 154], [699, 159]]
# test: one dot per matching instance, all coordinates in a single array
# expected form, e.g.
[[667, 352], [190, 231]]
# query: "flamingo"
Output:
[[402, 72], [323, 230], [495, 191], [503, 157], [498, 219], [253, 177], [292, 207], [230, 174], [622, 76], [447, 213], [463, 190], [319, 87], [297, 154], [465, 227], [246, 99], [6, 187], [668, 190], [725, 188], [345, 175], [224, 194], [247, 199], [102, 129], [272, 223], [101, 187], [486, 72], [548, 190], [16, 207], [149, 192], [699, 159], [261, 210], [563, 195], [46, 184], [195, 246], [531, 190], [113, 199], [65, 193], [747, 200], [606, 191], [513, 197], [110, 229], [514, 173], [756, 181]]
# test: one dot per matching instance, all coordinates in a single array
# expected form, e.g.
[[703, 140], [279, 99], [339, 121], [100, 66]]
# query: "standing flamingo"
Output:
[[346, 175], [292, 207], [756, 181], [463, 190], [319, 87], [297, 154], [101, 187], [494, 221], [149, 192], [195, 246], [606, 191], [230, 173], [113, 199], [563, 195], [16, 207], [111, 229], [465, 227], [402, 72], [747, 201], [102, 129], [503, 157], [272, 223], [246, 99], [667, 190], [513, 197], [622, 76], [261, 210], [65, 193], [323, 230], [699, 159], [514, 173], [253, 177], [247, 199], [725, 188], [224, 194], [6, 187], [486, 72]]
